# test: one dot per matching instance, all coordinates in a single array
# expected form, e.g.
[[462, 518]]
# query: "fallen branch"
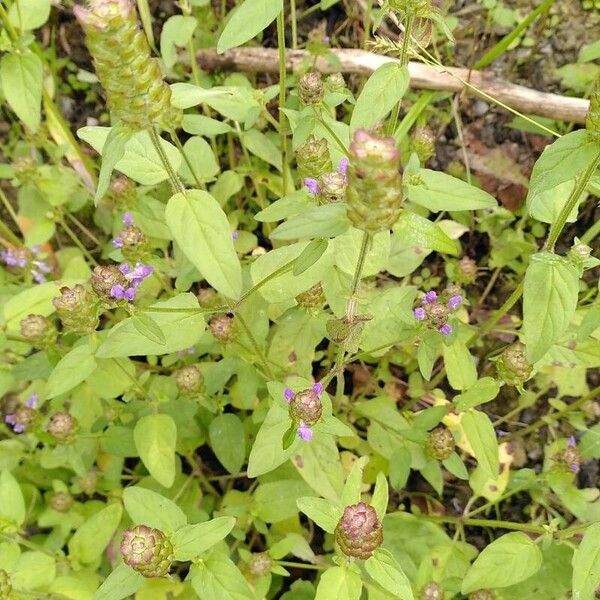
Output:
[[422, 76]]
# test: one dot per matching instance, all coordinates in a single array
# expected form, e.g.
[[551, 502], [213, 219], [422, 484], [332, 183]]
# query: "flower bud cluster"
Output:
[[311, 88], [189, 380], [39, 331], [62, 427], [113, 282], [223, 328], [435, 310], [77, 310], [359, 532], [305, 409], [132, 80], [330, 187], [147, 550], [29, 260], [513, 367], [313, 158], [374, 192], [24, 418], [131, 240], [440, 443]]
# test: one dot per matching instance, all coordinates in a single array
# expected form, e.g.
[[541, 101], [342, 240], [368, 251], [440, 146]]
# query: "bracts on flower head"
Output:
[[62, 427], [435, 309], [39, 331], [77, 310], [24, 418], [147, 550], [305, 409], [359, 532]]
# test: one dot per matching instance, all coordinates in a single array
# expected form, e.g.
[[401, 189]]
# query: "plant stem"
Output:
[[570, 204], [410, 20], [298, 565], [83, 228], [263, 360], [177, 142], [294, 19], [332, 133], [175, 181], [77, 242], [282, 77], [362, 255], [485, 523]]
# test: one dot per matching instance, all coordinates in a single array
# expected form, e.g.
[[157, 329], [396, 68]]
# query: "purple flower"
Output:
[[129, 294], [136, 274], [446, 329], [13, 258], [304, 432], [288, 394], [455, 302], [430, 297], [38, 277], [235, 235], [190, 350], [118, 242], [318, 389], [32, 401], [19, 428], [571, 443], [420, 314], [117, 292], [326, 39], [574, 467], [128, 219], [343, 166], [312, 185]]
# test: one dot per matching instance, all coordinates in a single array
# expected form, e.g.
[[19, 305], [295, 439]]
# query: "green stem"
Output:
[[297, 565], [164, 159], [177, 142], [9, 209], [282, 78], [410, 20], [485, 523], [263, 360], [362, 255], [77, 242], [570, 204], [294, 19], [591, 233], [83, 228], [332, 133], [9, 235]]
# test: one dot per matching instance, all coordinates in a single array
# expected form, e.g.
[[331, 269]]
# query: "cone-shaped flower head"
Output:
[[359, 532], [467, 270], [61, 501], [147, 550], [374, 192], [513, 366], [332, 187], [423, 143], [592, 121], [260, 564], [135, 90], [62, 427], [189, 379], [38, 330], [313, 158], [77, 310], [311, 88], [223, 328], [305, 406], [313, 298], [482, 595], [440, 443]]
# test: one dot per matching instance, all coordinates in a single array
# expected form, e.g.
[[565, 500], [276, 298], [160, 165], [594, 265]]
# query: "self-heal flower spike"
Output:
[[147, 550], [359, 532], [432, 591], [305, 409], [77, 310], [189, 379], [430, 297], [440, 443], [305, 432], [39, 331], [313, 158], [24, 417], [132, 80], [62, 427], [513, 367]]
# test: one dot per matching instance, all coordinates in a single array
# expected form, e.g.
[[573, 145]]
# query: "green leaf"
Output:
[[323, 512], [121, 583], [36, 300], [26, 15], [481, 436], [508, 560], [379, 501], [339, 583], [73, 368], [586, 564], [310, 255], [21, 79], [352, 488], [228, 441], [422, 232], [438, 191], [248, 20], [177, 31], [382, 91], [546, 205], [149, 328], [140, 161], [33, 570], [400, 462], [459, 364], [218, 578], [152, 509], [275, 501], [482, 391], [201, 229], [12, 505], [155, 438], [328, 220], [202, 125], [90, 540], [262, 146], [201, 157], [191, 540], [113, 151], [386, 571], [180, 329], [563, 160], [549, 301], [267, 453]]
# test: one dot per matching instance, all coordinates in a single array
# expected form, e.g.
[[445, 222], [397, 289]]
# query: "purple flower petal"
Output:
[[124, 268], [38, 277], [312, 185], [455, 302], [235, 235], [288, 394], [10, 419], [304, 432], [117, 292], [430, 297], [446, 329], [318, 388], [571, 442], [118, 242], [19, 428], [128, 219], [129, 294], [343, 166], [419, 313], [32, 401]]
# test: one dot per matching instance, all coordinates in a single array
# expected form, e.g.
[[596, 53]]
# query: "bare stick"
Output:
[[422, 76]]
